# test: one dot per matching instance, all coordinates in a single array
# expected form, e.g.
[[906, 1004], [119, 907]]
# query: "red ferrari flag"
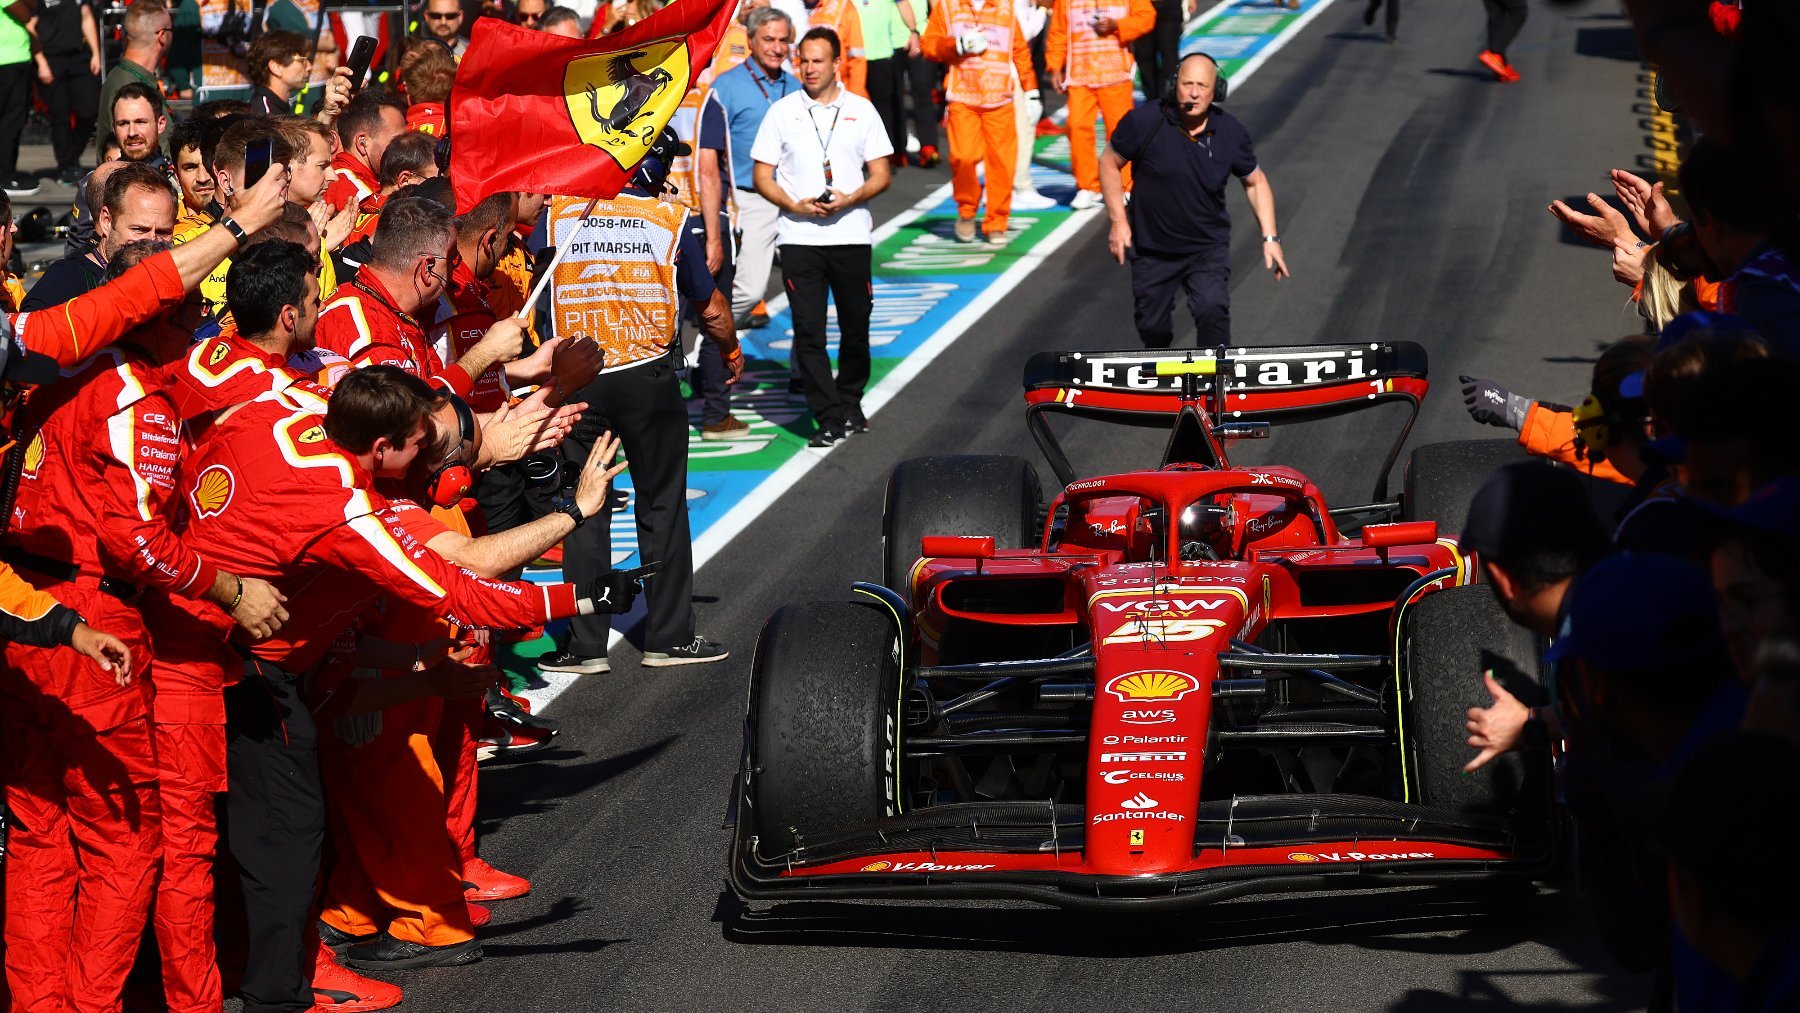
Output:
[[544, 113]]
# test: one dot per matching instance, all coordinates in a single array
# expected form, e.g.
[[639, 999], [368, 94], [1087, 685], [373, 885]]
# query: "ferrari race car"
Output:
[[1163, 687]]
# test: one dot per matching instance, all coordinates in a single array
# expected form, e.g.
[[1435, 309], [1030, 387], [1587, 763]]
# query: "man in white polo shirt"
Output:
[[821, 153]]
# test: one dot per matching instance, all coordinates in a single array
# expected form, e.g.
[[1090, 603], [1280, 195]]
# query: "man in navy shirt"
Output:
[[1177, 233], [745, 93]]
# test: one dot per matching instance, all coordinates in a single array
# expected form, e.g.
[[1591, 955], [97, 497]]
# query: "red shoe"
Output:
[[896, 161], [1496, 63], [482, 881], [1047, 128], [337, 989], [928, 156], [479, 915], [1512, 74]]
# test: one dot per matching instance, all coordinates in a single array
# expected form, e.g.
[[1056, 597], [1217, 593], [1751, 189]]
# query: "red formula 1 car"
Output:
[[1163, 687]]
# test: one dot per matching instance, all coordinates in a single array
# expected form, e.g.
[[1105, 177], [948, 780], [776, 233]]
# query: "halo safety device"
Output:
[[450, 483]]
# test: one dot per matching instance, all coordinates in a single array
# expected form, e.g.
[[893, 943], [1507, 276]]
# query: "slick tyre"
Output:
[[1450, 638], [969, 495], [1441, 478], [825, 715]]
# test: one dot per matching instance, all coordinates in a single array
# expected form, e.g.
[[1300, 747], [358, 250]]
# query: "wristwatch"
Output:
[[1271, 239], [566, 505], [236, 230]]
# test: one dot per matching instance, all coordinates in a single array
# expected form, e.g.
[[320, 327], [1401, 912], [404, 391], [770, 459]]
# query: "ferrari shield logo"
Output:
[[218, 354], [314, 435], [620, 101]]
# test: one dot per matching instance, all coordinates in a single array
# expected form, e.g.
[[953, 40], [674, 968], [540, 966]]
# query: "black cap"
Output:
[[1531, 508]]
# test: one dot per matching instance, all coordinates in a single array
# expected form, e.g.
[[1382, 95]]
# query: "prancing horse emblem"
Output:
[[618, 102]]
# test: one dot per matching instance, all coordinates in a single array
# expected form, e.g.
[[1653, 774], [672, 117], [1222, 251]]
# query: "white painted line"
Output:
[[770, 489]]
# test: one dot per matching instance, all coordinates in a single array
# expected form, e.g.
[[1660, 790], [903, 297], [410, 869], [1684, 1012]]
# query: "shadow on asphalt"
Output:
[[524, 789], [1452, 921]]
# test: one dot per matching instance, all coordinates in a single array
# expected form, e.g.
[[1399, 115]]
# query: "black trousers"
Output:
[[1393, 15], [887, 89], [1159, 49], [643, 406], [275, 828], [810, 272], [15, 103], [1504, 20], [74, 92], [710, 374], [508, 500], [1206, 278], [922, 76]]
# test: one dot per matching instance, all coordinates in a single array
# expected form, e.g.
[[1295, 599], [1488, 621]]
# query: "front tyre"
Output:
[[825, 715]]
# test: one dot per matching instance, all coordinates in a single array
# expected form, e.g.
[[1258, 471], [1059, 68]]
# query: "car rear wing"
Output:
[[1296, 383]]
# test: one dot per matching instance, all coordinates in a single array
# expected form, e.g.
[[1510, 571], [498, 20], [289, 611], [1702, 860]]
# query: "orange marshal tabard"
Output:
[[617, 282]]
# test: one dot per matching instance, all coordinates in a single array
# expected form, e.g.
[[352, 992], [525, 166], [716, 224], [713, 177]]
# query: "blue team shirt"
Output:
[[745, 93]]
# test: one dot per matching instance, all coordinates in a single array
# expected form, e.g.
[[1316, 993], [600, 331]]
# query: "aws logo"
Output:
[[618, 102], [213, 492]]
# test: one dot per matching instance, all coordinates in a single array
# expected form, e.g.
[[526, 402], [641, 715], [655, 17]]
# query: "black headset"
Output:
[[1220, 84]]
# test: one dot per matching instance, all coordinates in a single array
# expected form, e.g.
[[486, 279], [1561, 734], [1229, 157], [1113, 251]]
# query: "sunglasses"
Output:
[[452, 16], [531, 17]]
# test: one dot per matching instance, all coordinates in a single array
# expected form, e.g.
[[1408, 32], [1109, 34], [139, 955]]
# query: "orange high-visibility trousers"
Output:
[[397, 868], [978, 136], [1110, 103]]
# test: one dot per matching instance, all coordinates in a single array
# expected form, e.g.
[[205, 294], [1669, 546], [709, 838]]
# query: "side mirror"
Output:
[[1382, 536], [957, 546]]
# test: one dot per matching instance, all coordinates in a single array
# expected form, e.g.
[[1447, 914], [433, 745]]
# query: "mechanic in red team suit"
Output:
[[376, 318], [372, 119], [286, 494], [83, 843]]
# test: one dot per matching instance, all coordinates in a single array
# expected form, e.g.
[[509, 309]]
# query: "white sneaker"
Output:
[[1086, 200], [1031, 200]]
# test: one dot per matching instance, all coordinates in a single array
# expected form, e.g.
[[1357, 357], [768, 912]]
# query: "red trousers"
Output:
[[85, 831], [1110, 104], [977, 136], [191, 773]]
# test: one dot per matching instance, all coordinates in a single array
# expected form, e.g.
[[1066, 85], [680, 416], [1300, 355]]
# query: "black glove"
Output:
[[1494, 405], [616, 591]]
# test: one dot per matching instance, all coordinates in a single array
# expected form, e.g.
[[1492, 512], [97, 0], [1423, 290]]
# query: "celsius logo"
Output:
[[1122, 776], [1176, 757]]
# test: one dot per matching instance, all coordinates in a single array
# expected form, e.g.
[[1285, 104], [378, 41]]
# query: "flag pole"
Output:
[[537, 290]]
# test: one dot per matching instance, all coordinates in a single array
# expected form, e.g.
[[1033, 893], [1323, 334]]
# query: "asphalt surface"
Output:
[[1412, 195]]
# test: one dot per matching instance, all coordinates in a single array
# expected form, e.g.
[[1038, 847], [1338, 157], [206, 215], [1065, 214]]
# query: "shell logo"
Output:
[[1135, 687], [314, 435], [212, 493], [34, 455], [1301, 857], [878, 867]]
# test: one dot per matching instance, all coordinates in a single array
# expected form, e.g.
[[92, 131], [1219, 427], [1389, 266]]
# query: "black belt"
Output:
[[65, 572]]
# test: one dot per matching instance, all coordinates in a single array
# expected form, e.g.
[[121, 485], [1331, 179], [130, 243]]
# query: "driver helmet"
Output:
[[1205, 528]]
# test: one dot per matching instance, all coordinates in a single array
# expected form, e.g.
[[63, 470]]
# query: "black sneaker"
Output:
[[507, 710], [20, 185], [337, 939], [829, 435], [859, 423], [70, 176], [572, 664], [385, 953], [702, 651]]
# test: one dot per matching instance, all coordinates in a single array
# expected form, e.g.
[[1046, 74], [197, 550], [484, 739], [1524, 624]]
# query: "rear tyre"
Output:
[[970, 495], [825, 712], [1441, 478], [1451, 637]]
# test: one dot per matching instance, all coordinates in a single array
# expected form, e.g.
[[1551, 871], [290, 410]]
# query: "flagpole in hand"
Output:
[[537, 290]]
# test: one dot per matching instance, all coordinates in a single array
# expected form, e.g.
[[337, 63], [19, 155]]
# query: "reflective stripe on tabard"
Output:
[[617, 283]]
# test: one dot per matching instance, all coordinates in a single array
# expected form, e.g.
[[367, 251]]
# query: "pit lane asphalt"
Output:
[[1412, 194]]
